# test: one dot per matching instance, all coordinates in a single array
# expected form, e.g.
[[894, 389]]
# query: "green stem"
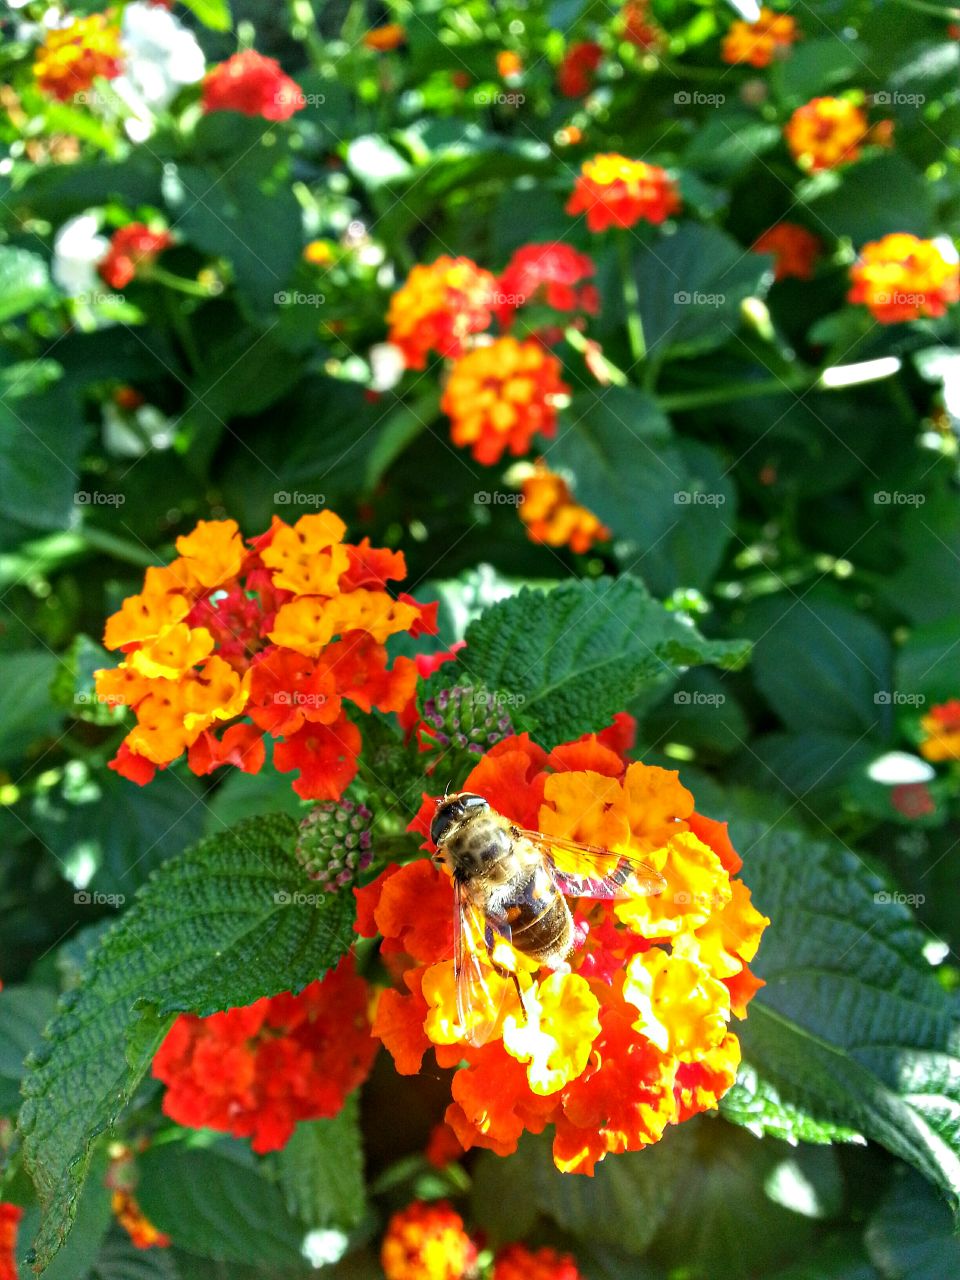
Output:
[[614, 374], [120, 548], [631, 299], [192, 287], [737, 391]]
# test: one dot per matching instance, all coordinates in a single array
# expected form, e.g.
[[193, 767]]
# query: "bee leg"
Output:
[[501, 970]]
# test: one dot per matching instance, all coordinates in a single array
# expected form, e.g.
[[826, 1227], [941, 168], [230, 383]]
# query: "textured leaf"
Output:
[[236, 1213], [320, 1171], [852, 1027], [911, 1235], [575, 656], [23, 1013], [120, 1259], [756, 1105], [24, 281], [214, 928]]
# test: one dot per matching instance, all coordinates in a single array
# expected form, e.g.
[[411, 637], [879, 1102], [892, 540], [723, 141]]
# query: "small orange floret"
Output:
[[509, 64], [616, 192], [438, 307], [427, 1241], [826, 133], [553, 516], [903, 278], [758, 43], [382, 39], [500, 396], [143, 1234]]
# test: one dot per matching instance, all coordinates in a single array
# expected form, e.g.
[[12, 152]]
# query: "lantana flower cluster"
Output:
[[795, 250], [636, 1035], [255, 1071], [758, 43], [614, 191], [73, 56], [233, 642], [10, 1215], [827, 133], [552, 515], [941, 728], [132, 248], [902, 277]]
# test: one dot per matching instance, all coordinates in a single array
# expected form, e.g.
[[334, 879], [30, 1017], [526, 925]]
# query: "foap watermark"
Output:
[[297, 498], [90, 698], [706, 901], [696, 698], [894, 98], [884, 897], [901, 298], [299, 698], [696, 299], [97, 298], [897, 498], [301, 99], [294, 298], [508, 299], [484, 698], [694, 98], [897, 698], [297, 899], [98, 498], [482, 98], [498, 498], [92, 898], [698, 498]]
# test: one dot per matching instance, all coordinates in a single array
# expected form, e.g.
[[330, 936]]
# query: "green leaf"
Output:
[[930, 545], [691, 285], [23, 1014], [41, 440], [24, 281], [236, 1213], [94, 1217], [756, 1105], [320, 1171], [911, 1235], [821, 666], [617, 443], [26, 716], [576, 655], [926, 665], [852, 1026], [725, 146], [815, 65], [873, 195], [120, 1259], [73, 687], [214, 14], [214, 928]]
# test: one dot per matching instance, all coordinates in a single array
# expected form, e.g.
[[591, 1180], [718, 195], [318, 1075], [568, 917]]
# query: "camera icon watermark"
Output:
[[897, 698], [295, 298], [896, 498], [86, 898], [296, 498], [696, 299], [694, 98], [696, 698], [498, 498], [697, 498], [299, 698], [885, 98], [282, 898], [482, 98], [97, 498], [885, 897]]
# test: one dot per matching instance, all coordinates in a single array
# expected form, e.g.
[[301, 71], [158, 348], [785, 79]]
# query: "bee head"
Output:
[[451, 812]]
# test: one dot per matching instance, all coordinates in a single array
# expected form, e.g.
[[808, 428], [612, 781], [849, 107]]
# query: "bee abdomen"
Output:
[[543, 929]]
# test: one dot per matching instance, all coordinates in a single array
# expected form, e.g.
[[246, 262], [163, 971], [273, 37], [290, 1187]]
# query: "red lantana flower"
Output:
[[253, 85], [131, 248], [549, 274], [517, 1262], [10, 1215], [275, 638], [635, 1036], [575, 72], [255, 1071], [795, 250], [616, 192]]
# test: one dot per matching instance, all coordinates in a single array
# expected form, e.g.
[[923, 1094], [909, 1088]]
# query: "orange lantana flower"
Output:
[[509, 64], [942, 729], [903, 278], [72, 57], [500, 396], [382, 39], [553, 516], [635, 1036], [427, 1241], [758, 43], [794, 248], [826, 133], [284, 632], [438, 307], [616, 192], [143, 1234]]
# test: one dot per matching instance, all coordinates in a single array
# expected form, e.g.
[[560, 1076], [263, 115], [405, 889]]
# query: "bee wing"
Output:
[[479, 998], [629, 878]]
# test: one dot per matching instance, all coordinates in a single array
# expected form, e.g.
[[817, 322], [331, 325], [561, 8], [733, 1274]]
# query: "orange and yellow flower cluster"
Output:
[[553, 516], [427, 1241], [438, 307], [255, 1071], [826, 133], [636, 1035], [758, 43], [72, 57], [498, 397], [616, 192], [795, 250], [232, 642], [903, 278], [942, 730], [143, 1234]]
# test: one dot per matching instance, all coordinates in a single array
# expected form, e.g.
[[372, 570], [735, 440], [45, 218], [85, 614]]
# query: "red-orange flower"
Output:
[[438, 307], [550, 275], [72, 57], [616, 192], [575, 72], [903, 278], [284, 633], [500, 396], [143, 1234], [253, 85], [132, 247], [758, 43], [942, 730], [509, 64], [10, 1215], [427, 1241], [638, 27], [517, 1262], [382, 39], [826, 133], [795, 250], [553, 516], [635, 1036], [255, 1071]]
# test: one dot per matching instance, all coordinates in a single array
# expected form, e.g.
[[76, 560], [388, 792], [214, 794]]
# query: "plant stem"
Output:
[[193, 287], [631, 299], [737, 391]]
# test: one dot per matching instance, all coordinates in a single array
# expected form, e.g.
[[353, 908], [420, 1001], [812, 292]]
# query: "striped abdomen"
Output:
[[540, 922]]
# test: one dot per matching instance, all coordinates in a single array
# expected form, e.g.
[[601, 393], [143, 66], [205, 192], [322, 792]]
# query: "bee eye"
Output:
[[447, 816]]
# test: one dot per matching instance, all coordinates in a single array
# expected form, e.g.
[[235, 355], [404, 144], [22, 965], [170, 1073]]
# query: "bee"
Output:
[[508, 885]]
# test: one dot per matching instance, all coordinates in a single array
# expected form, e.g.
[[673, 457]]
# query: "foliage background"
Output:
[[851, 598]]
